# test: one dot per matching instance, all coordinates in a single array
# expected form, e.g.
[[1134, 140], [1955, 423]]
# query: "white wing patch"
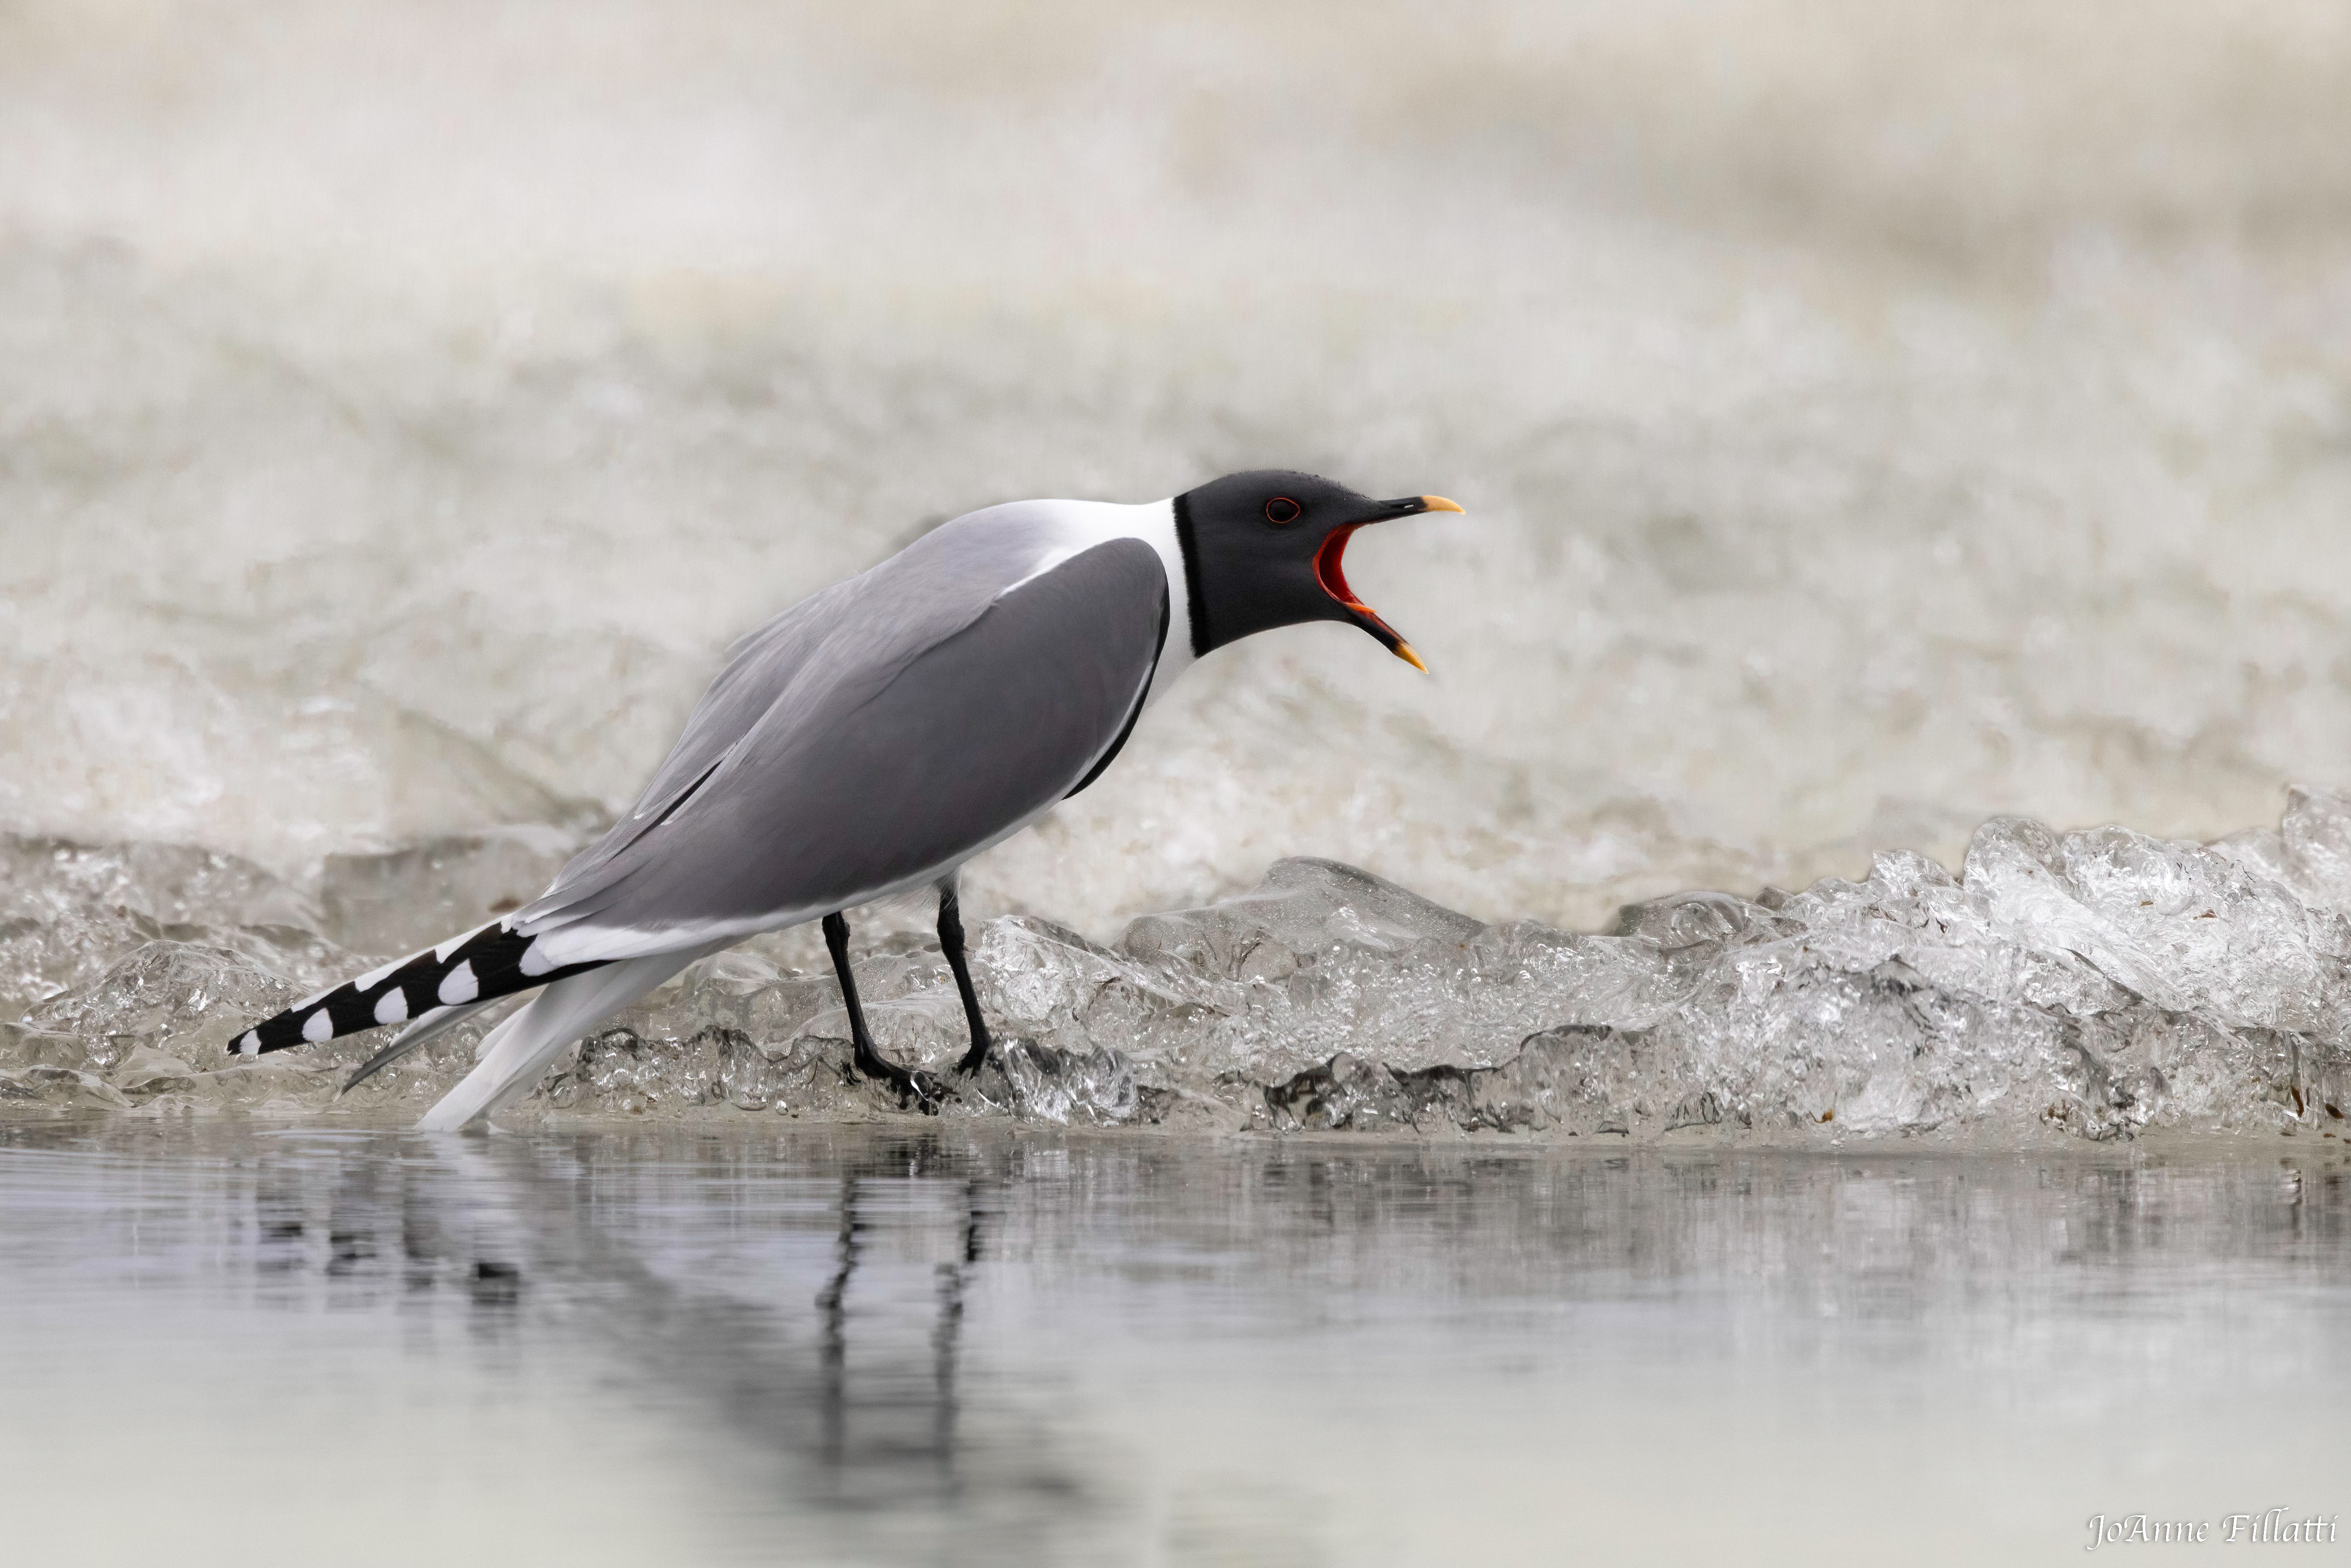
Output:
[[459, 986]]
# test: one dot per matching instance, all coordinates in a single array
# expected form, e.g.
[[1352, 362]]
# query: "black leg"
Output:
[[951, 944], [868, 1062]]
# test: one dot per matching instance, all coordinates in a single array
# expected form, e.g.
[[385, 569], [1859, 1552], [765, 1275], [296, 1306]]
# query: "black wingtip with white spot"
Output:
[[479, 967]]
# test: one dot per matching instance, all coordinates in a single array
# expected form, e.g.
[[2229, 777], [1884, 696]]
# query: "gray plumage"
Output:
[[874, 732]]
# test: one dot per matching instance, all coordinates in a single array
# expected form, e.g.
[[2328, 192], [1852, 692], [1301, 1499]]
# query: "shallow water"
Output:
[[241, 1342]]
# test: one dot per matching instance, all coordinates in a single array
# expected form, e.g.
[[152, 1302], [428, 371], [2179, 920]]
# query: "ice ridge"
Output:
[[2092, 984]]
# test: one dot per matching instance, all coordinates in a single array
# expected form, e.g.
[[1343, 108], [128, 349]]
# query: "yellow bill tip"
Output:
[[1404, 650], [1439, 504]]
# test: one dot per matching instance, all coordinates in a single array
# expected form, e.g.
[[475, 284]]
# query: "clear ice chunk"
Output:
[[59, 1088], [2087, 983], [195, 996], [69, 911], [1319, 959], [1302, 908]]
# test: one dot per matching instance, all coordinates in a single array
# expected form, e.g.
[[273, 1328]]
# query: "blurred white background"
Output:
[[1871, 416]]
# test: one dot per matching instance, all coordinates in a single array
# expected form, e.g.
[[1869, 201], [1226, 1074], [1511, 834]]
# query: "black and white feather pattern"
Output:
[[481, 965]]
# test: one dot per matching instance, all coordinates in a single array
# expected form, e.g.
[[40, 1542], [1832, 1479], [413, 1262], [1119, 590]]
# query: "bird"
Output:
[[866, 742]]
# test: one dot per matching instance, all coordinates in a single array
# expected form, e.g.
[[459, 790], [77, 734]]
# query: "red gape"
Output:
[[1328, 573]]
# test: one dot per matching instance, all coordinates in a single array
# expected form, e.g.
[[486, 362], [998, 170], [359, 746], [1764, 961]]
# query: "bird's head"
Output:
[[1262, 550]]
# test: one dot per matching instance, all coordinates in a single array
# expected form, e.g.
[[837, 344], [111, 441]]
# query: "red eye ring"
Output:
[[1281, 510]]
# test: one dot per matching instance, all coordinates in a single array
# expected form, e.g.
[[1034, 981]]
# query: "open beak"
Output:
[[1329, 572]]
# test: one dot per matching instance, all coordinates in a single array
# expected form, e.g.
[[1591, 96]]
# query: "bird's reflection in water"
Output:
[[889, 1399], [854, 1384], [932, 1344], [946, 1337], [807, 1311]]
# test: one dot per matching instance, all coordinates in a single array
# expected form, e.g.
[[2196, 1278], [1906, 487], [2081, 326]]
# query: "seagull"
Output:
[[866, 742]]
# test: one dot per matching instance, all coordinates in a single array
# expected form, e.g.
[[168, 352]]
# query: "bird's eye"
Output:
[[1281, 509]]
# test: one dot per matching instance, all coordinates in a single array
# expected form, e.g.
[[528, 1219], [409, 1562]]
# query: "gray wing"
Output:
[[899, 742], [857, 631]]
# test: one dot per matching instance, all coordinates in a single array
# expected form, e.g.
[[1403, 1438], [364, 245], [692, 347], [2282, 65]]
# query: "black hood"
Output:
[[1263, 549]]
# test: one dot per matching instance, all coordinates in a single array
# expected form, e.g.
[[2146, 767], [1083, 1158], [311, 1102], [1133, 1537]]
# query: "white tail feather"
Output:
[[514, 1054]]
